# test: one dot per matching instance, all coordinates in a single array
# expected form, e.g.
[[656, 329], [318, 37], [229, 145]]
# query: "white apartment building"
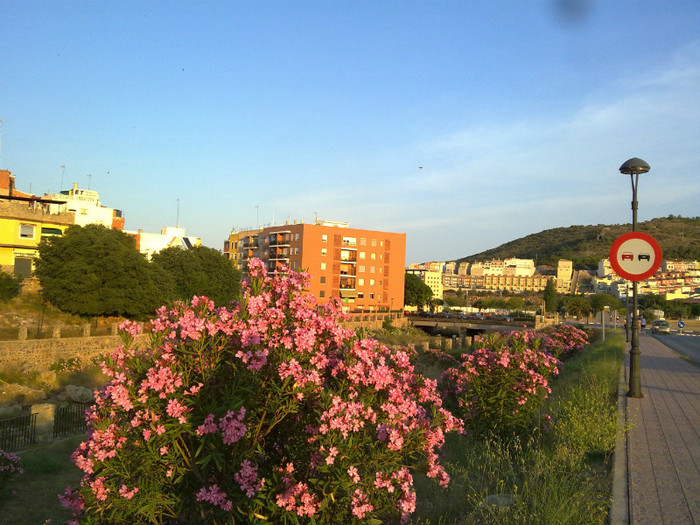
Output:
[[150, 243], [87, 208]]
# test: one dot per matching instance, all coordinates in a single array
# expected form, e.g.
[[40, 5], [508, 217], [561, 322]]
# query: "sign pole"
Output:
[[635, 256]]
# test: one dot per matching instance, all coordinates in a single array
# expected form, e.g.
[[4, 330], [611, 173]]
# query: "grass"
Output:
[[554, 477], [32, 497]]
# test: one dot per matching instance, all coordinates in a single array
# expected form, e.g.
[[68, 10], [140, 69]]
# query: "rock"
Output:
[[79, 394], [10, 411], [12, 394], [499, 500]]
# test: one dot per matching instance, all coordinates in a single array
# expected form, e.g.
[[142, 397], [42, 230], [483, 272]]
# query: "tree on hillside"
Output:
[[416, 292], [550, 296], [200, 271], [94, 270]]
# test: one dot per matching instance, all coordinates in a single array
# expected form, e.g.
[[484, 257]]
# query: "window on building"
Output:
[[360, 295], [26, 231], [45, 232], [371, 269], [373, 256], [324, 238], [371, 296], [371, 282], [361, 268], [323, 279], [324, 251], [363, 241], [322, 293], [323, 266], [361, 282], [362, 255], [374, 242]]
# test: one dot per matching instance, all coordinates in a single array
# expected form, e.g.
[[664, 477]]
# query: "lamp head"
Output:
[[634, 165]]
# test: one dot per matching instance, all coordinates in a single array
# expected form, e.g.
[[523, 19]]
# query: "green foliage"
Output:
[[416, 292], [550, 296], [601, 300], [679, 238], [199, 271], [94, 270], [577, 304], [9, 286]]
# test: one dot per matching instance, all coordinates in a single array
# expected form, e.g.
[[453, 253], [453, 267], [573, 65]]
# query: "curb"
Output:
[[619, 508]]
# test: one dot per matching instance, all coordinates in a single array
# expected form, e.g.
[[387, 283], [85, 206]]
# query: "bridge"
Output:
[[471, 327]]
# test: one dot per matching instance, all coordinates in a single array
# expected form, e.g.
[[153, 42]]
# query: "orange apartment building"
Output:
[[364, 268]]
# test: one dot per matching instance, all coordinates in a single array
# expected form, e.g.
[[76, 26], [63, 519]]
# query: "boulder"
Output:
[[13, 394], [10, 411], [79, 394]]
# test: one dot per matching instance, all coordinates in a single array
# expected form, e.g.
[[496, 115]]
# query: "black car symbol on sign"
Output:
[[644, 257]]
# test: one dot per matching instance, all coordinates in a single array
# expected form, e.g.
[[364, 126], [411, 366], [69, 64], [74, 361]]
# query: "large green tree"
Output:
[[416, 292], [94, 270], [200, 271]]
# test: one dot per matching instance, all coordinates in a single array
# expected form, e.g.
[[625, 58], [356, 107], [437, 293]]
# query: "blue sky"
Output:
[[464, 124]]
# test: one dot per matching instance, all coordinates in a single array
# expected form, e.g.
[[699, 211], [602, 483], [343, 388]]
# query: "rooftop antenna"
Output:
[[63, 173], [257, 217], [89, 179]]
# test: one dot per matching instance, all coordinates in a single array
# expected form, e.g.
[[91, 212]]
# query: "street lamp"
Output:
[[633, 167]]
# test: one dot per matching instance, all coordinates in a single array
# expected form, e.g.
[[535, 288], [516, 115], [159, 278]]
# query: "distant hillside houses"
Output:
[[511, 275], [673, 280]]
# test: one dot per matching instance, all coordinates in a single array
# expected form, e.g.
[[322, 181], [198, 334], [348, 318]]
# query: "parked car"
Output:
[[660, 326]]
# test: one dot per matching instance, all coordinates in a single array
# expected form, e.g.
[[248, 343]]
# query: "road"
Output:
[[688, 345]]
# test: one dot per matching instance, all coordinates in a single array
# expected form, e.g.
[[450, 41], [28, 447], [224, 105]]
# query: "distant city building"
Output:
[[363, 268], [87, 208], [431, 277], [242, 245], [170, 236], [510, 274], [673, 280]]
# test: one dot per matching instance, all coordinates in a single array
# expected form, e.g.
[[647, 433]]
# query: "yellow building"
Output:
[[24, 222]]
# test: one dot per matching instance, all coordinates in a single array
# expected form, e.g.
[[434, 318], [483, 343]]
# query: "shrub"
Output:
[[10, 286], [9, 465], [268, 412], [503, 382]]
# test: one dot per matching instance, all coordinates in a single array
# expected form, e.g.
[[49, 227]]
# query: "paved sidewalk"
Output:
[[657, 468]]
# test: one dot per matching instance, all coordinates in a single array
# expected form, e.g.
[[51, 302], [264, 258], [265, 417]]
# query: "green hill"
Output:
[[679, 238]]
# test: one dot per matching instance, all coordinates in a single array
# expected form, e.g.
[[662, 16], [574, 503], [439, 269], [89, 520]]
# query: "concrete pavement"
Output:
[[657, 464]]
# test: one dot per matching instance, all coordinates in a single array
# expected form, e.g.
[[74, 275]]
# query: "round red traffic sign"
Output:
[[635, 256]]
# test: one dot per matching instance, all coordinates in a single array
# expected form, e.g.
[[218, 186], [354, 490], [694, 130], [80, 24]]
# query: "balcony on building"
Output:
[[279, 238], [348, 255]]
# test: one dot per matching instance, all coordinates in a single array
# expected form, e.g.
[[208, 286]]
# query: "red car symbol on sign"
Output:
[[627, 256]]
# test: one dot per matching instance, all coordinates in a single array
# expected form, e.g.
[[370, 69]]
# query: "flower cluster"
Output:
[[267, 411], [564, 340], [503, 381]]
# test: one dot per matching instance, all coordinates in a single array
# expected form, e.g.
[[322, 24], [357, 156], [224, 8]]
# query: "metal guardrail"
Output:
[[17, 432], [70, 419]]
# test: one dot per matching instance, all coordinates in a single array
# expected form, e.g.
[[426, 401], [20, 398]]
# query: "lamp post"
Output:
[[633, 167]]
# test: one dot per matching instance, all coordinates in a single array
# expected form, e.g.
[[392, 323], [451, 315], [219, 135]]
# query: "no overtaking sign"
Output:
[[635, 256]]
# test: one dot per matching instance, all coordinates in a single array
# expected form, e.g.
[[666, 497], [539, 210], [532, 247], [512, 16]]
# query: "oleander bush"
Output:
[[266, 412]]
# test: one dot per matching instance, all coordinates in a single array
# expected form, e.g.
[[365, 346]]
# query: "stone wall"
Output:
[[39, 354]]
